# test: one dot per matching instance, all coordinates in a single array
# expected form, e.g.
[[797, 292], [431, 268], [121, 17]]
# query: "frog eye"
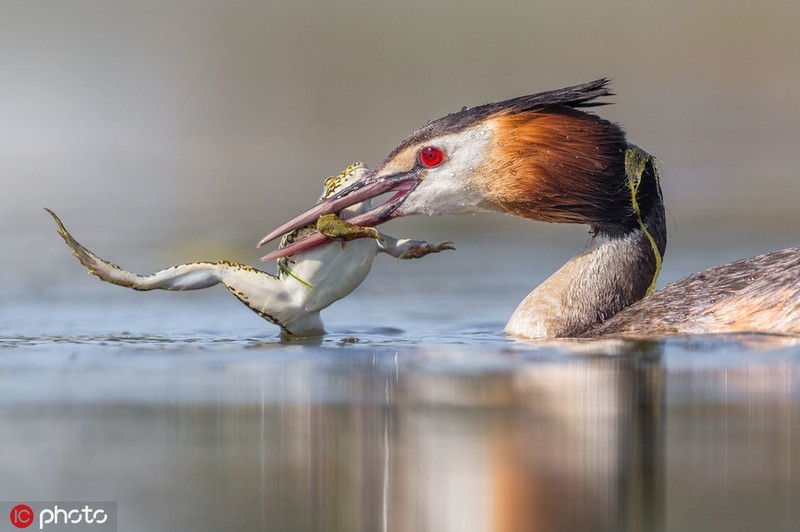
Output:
[[430, 156]]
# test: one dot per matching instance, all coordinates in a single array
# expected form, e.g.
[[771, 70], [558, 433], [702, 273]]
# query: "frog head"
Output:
[[348, 176]]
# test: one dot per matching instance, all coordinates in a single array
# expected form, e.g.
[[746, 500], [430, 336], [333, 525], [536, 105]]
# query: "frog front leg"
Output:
[[406, 248]]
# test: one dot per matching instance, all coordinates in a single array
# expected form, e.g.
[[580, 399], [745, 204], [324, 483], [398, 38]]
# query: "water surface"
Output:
[[413, 413]]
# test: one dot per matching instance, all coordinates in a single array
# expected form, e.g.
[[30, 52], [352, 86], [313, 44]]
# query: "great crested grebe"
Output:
[[306, 282], [541, 157]]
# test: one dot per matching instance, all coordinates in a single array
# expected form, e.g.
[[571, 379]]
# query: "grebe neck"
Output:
[[613, 270]]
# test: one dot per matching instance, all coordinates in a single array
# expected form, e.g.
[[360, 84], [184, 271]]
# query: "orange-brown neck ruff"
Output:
[[561, 165]]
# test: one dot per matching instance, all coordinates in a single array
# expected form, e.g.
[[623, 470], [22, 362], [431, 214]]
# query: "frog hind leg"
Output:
[[263, 293], [334, 227]]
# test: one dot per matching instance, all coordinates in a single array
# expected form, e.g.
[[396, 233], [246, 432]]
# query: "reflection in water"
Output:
[[573, 446], [370, 437], [561, 446]]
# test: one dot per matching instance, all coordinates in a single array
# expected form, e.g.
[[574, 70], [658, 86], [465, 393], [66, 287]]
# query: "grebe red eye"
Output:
[[430, 156]]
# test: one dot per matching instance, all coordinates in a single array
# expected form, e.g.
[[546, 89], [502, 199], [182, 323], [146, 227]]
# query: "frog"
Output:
[[305, 282]]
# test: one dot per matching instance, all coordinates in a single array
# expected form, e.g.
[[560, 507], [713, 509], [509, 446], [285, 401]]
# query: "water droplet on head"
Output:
[[465, 108]]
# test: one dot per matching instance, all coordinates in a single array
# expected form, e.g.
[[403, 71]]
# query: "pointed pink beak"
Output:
[[369, 187]]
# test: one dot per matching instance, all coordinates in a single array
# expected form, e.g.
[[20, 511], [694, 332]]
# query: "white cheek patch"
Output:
[[455, 186]]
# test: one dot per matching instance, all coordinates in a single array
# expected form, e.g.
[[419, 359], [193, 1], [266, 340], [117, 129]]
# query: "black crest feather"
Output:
[[576, 96]]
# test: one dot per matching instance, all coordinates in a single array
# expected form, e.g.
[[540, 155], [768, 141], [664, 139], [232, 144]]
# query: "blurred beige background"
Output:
[[190, 128]]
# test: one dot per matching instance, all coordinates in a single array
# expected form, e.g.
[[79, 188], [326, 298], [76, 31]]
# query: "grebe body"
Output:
[[543, 157], [756, 294]]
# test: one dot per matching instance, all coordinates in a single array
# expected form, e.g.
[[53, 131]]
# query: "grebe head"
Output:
[[536, 156]]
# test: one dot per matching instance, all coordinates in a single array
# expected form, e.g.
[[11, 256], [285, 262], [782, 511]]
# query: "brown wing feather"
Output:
[[757, 294]]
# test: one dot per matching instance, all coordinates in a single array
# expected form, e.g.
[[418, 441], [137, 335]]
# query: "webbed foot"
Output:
[[104, 269]]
